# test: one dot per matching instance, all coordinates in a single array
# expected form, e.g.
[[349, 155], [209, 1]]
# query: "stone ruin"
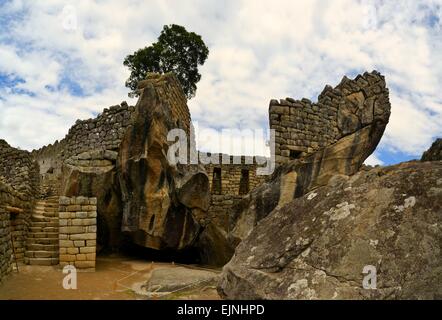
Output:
[[120, 159]]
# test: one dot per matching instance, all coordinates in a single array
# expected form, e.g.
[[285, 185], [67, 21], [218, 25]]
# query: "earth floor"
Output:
[[116, 278]]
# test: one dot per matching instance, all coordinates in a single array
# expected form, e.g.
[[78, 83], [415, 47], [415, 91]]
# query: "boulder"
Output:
[[165, 205], [384, 224], [361, 120], [434, 153]]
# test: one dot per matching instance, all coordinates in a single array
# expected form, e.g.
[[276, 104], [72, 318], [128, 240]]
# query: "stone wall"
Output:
[[101, 133], [78, 232], [229, 183], [19, 169], [19, 184], [303, 127], [14, 220]]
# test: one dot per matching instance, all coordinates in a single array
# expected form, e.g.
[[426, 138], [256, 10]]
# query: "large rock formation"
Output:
[[317, 246], [165, 206], [434, 153], [141, 196], [362, 113]]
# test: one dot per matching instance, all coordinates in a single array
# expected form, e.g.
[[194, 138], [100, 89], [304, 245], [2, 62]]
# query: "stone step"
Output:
[[45, 241], [43, 228], [42, 247], [45, 224], [40, 218], [41, 254], [51, 209], [51, 214], [43, 235], [41, 261]]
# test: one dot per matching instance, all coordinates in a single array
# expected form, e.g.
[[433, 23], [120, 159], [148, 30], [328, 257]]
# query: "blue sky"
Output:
[[62, 60]]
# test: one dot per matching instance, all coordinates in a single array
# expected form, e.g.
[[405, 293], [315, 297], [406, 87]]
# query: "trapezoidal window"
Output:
[[216, 181], [244, 185]]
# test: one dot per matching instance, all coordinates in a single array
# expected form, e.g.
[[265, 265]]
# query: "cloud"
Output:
[[373, 160], [71, 66]]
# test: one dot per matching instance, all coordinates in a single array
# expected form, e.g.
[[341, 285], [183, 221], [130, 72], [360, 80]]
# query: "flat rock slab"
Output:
[[173, 279]]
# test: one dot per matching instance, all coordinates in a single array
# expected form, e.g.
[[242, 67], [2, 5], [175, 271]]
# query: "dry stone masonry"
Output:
[[229, 183], [78, 232], [14, 220], [119, 159], [303, 127]]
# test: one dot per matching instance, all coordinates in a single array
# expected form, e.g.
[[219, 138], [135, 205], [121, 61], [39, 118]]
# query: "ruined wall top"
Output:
[[302, 127], [18, 170], [101, 133]]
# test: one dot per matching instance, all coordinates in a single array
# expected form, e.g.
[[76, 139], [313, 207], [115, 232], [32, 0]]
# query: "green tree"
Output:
[[176, 50]]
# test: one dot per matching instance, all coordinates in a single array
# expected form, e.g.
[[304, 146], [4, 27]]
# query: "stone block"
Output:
[[81, 215], [85, 264], [84, 236], [64, 201], [66, 215], [79, 243], [72, 250], [72, 229], [91, 243], [81, 257], [88, 250], [67, 257], [88, 208], [73, 208], [66, 243], [92, 214], [90, 256]]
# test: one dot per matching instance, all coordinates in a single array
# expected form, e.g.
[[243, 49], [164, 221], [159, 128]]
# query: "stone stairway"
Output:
[[42, 242]]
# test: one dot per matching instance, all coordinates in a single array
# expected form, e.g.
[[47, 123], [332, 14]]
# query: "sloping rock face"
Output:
[[434, 153], [362, 118], [317, 246], [165, 206]]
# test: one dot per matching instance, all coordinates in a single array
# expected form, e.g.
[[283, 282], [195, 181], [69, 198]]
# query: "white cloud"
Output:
[[373, 160], [258, 51]]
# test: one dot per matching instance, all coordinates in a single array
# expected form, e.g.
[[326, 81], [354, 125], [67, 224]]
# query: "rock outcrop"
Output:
[[165, 206], [434, 153], [388, 220], [362, 116]]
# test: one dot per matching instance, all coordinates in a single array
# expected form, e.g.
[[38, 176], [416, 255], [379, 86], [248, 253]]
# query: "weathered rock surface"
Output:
[[164, 206], [434, 153], [168, 280], [316, 246], [362, 118]]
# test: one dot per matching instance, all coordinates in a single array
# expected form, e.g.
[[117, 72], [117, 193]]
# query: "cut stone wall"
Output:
[[78, 232], [101, 133], [19, 169], [229, 189], [12, 224], [302, 127]]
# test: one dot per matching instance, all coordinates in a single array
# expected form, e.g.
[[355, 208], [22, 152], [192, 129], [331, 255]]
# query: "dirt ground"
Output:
[[116, 278]]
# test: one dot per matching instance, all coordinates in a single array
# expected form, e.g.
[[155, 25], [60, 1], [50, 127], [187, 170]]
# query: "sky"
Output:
[[63, 60]]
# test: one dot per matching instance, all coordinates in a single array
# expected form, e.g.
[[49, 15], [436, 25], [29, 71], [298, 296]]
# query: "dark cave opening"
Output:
[[185, 256]]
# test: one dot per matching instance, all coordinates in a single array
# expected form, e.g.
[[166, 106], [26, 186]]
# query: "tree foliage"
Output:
[[176, 50]]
